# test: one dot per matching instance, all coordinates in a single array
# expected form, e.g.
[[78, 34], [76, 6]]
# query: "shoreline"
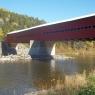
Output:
[[66, 54], [14, 58]]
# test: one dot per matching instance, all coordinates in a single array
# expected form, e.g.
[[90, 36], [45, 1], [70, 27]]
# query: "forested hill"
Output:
[[10, 21]]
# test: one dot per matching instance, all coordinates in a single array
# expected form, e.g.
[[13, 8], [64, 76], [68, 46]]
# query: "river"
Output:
[[23, 77]]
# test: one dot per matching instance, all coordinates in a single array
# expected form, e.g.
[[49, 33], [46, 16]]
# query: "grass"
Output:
[[70, 86], [88, 89], [74, 85], [75, 52]]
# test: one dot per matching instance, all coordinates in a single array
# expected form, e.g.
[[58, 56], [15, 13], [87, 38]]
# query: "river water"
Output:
[[23, 77]]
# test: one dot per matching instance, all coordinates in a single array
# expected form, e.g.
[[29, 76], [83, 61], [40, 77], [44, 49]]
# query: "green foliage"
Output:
[[1, 34], [91, 79], [89, 89], [10, 21]]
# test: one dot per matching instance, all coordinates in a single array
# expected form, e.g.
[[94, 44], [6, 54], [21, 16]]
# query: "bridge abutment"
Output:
[[6, 49], [42, 49]]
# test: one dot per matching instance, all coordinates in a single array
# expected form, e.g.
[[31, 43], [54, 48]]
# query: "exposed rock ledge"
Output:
[[14, 58]]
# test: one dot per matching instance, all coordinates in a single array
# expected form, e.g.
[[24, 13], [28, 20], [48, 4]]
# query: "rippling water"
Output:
[[23, 77]]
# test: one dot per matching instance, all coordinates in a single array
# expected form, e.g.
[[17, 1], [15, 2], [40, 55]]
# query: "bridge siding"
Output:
[[71, 30]]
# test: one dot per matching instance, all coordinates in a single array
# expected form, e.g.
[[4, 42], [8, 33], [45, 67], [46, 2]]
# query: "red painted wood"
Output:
[[70, 30]]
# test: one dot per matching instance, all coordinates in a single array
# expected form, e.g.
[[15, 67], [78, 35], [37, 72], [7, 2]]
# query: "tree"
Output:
[[1, 34]]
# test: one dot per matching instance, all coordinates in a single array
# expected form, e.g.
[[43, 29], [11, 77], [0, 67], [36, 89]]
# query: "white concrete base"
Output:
[[42, 49]]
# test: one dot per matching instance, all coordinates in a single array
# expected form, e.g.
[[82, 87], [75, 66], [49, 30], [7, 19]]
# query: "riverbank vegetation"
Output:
[[76, 47], [74, 85]]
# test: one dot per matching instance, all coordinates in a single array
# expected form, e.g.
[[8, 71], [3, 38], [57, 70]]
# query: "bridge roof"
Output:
[[57, 22]]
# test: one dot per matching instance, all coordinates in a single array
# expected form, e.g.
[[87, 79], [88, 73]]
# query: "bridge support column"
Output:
[[42, 49]]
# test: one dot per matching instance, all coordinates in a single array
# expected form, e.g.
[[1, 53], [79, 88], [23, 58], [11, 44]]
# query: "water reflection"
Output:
[[20, 78]]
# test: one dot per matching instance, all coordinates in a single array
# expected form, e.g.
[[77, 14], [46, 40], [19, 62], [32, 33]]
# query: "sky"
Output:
[[50, 10]]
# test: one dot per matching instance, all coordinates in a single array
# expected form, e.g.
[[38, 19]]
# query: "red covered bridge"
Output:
[[44, 36], [72, 29]]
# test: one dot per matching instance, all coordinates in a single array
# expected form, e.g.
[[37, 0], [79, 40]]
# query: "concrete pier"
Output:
[[42, 49]]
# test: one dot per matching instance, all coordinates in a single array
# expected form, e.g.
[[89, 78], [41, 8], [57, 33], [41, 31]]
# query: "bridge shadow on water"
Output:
[[23, 78]]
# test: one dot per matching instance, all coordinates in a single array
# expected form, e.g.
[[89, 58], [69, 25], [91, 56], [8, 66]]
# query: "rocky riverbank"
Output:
[[22, 54], [14, 58]]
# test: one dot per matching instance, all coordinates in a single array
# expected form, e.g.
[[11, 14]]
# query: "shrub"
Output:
[[89, 89]]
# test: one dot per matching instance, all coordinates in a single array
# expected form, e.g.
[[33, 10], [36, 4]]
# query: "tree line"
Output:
[[10, 21]]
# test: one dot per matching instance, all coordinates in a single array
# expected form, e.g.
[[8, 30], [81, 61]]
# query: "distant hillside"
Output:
[[10, 21]]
